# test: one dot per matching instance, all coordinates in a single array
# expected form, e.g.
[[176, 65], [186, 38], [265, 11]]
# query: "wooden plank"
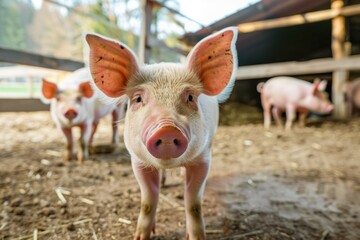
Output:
[[32, 59], [22, 105], [324, 65], [299, 19]]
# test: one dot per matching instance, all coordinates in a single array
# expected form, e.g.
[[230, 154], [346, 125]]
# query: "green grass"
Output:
[[18, 89]]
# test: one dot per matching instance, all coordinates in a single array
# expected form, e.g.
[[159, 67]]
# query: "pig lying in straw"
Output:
[[73, 103], [292, 95], [172, 116]]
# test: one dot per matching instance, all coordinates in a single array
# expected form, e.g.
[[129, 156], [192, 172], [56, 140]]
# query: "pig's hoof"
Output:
[[141, 237]]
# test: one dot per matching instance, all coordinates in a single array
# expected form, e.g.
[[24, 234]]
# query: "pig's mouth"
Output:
[[165, 139]]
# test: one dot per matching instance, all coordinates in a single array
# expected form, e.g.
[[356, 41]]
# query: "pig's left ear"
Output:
[[316, 86], [214, 60], [111, 64], [86, 89]]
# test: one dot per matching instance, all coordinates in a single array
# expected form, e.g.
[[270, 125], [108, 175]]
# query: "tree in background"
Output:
[[14, 20], [55, 33], [163, 24], [109, 29], [57, 30]]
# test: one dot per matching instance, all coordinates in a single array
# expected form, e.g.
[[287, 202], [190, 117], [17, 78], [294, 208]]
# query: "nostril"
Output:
[[176, 142], [158, 142]]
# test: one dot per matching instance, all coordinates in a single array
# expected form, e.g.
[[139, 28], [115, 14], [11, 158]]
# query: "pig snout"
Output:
[[70, 113], [330, 108], [166, 140]]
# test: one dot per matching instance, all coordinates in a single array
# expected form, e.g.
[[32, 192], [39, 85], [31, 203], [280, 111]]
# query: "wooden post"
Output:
[[339, 51], [144, 48], [30, 87]]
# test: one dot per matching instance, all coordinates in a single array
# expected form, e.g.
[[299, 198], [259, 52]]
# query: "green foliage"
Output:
[[53, 30], [14, 21], [110, 29]]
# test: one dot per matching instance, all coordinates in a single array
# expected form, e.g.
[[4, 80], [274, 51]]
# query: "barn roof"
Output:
[[294, 43]]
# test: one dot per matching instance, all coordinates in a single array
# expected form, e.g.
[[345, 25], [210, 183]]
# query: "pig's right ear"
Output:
[[48, 89], [111, 64]]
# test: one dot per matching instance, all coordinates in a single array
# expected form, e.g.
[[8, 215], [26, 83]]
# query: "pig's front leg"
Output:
[[117, 114], [290, 116], [69, 152], [194, 187], [302, 117], [149, 182], [93, 130], [84, 141]]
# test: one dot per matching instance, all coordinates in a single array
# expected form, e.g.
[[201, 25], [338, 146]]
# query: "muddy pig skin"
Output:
[[172, 116], [74, 103], [292, 95], [353, 97]]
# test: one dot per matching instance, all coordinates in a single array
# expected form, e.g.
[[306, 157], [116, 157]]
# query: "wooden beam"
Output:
[[324, 65], [340, 76], [32, 59], [299, 19], [173, 11], [144, 48]]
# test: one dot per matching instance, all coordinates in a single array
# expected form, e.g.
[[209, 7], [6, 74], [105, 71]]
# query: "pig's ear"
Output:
[[322, 85], [48, 89], [214, 60], [111, 64], [316, 85], [86, 89]]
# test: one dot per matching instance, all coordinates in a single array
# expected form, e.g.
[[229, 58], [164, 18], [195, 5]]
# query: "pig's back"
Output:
[[73, 80], [280, 91], [103, 108]]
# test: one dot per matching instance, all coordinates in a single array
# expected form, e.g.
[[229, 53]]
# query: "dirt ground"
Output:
[[303, 184]]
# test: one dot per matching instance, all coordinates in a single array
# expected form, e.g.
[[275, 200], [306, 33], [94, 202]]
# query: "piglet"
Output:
[[292, 95], [74, 103], [172, 116]]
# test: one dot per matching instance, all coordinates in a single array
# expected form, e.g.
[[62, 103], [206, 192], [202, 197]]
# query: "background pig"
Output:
[[353, 97], [73, 103], [292, 95], [172, 116]]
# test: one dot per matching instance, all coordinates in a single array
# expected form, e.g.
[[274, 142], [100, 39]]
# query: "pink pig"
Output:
[[292, 95], [73, 103], [172, 116]]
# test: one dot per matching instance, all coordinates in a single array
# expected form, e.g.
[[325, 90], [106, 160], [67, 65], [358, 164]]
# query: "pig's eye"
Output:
[[78, 99], [138, 99], [190, 98]]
